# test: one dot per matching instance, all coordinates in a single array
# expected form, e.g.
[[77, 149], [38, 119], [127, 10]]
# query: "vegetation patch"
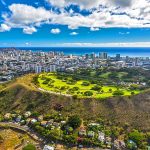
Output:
[[83, 88]]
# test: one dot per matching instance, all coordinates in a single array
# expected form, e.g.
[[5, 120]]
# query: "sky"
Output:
[[71, 23]]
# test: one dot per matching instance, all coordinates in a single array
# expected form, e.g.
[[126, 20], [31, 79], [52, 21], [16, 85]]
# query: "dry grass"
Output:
[[13, 139]]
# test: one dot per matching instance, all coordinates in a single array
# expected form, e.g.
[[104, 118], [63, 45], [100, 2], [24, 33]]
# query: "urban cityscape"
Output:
[[14, 63]]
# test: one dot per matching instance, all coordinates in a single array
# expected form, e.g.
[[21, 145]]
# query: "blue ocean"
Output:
[[112, 51]]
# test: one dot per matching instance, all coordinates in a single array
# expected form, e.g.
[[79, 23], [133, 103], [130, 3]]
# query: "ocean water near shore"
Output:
[[112, 51]]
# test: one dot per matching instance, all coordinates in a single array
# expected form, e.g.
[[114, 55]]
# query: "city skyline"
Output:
[[76, 23]]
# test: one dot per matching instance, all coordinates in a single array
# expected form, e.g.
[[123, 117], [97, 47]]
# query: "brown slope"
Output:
[[120, 110]]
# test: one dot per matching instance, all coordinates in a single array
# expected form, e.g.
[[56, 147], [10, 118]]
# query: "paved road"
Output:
[[54, 92]]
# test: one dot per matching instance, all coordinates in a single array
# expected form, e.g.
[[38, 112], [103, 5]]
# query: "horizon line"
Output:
[[80, 44]]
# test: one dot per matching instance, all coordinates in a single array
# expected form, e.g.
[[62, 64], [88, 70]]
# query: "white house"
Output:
[[101, 136], [33, 121], [47, 147], [27, 114]]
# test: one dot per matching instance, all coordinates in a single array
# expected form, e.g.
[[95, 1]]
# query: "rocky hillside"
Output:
[[22, 95]]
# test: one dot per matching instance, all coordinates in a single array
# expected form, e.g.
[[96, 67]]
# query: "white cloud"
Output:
[[4, 27], [24, 14], [28, 44], [89, 4], [73, 33], [124, 33], [61, 3], [29, 30], [114, 13], [94, 29], [132, 44], [55, 31]]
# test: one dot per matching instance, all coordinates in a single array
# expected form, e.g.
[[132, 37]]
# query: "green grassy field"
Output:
[[62, 86]]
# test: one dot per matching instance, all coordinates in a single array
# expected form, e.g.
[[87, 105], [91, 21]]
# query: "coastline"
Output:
[[112, 51]]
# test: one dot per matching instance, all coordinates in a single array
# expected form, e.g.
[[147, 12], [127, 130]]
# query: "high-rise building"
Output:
[[52, 68], [103, 55], [86, 56], [127, 58], [38, 69], [5, 67], [136, 61], [93, 56], [118, 58]]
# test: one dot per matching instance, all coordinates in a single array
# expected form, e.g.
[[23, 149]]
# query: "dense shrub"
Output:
[[75, 88], [118, 92], [29, 147], [96, 88], [45, 82], [134, 87], [35, 80], [85, 83], [72, 82], [136, 136], [74, 121], [75, 96], [88, 93]]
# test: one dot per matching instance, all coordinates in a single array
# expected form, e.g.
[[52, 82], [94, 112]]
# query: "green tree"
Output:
[[29, 147], [134, 87], [85, 83], [55, 134], [96, 88], [132, 93], [35, 80], [118, 92], [113, 76], [148, 83], [70, 139], [74, 121], [110, 90], [131, 145], [115, 132], [136, 136], [39, 129], [35, 114], [75, 96], [75, 88], [88, 93]]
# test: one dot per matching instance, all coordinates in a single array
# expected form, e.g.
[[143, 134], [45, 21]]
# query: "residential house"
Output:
[[44, 123], [33, 121], [82, 131], [27, 114], [91, 134], [18, 118], [101, 136], [40, 118], [50, 122], [7, 116], [47, 147]]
